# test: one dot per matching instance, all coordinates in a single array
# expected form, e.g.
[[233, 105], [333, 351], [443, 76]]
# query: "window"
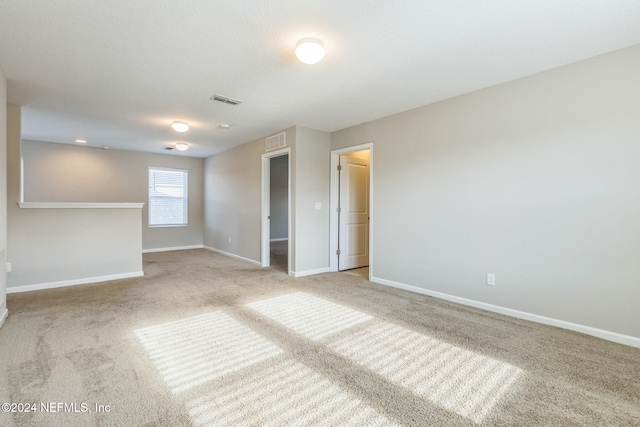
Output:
[[167, 197]]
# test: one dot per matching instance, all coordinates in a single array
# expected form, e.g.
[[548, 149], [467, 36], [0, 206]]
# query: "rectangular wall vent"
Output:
[[275, 141], [225, 99]]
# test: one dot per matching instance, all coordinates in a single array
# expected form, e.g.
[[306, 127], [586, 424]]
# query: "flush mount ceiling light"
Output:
[[81, 141], [310, 51], [182, 146], [180, 126]]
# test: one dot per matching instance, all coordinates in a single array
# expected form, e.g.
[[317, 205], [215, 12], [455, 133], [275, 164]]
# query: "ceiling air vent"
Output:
[[275, 141], [225, 99]]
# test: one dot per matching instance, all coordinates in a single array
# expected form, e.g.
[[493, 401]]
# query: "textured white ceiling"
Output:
[[118, 72]]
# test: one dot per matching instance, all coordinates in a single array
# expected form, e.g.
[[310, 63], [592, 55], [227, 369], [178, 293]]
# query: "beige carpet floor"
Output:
[[204, 340], [279, 255]]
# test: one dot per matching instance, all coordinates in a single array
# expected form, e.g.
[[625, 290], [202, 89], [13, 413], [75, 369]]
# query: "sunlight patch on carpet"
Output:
[[458, 380], [453, 378], [287, 394], [193, 351], [313, 317]]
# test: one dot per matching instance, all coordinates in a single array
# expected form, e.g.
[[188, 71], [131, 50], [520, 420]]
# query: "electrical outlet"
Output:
[[491, 279]]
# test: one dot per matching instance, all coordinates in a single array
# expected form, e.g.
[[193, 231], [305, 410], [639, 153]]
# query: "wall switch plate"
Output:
[[318, 205], [229, 239], [491, 279], [8, 267]]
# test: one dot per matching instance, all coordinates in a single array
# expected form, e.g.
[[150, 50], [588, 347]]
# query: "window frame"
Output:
[[185, 197]]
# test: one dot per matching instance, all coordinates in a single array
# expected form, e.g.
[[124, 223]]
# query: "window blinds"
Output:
[[167, 197]]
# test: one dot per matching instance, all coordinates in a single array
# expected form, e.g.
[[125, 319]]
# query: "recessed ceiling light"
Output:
[[182, 146], [180, 126], [106, 147], [81, 141], [310, 51], [224, 126]]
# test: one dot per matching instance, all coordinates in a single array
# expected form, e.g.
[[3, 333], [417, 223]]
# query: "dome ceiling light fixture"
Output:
[[182, 146], [310, 51], [180, 126]]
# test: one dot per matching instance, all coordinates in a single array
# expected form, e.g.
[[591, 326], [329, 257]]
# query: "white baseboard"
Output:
[[234, 256], [309, 272], [74, 282], [279, 239], [3, 315], [176, 248], [600, 333]]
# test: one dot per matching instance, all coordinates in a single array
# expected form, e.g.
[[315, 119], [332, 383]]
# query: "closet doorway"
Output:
[[351, 209], [276, 210]]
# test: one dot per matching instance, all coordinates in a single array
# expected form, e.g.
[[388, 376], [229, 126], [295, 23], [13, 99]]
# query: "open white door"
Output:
[[353, 223]]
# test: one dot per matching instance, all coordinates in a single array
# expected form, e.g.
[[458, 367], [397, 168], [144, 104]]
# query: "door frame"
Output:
[[334, 202], [265, 228]]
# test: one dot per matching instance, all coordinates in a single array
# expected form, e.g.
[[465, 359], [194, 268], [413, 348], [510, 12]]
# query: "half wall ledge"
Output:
[[61, 205]]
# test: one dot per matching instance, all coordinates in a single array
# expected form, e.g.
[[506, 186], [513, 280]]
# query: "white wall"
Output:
[[74, 173], [49, 246], [233, 186], [535, 180], [46, 246], [312, 185], [3, 193], [232, 193]]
